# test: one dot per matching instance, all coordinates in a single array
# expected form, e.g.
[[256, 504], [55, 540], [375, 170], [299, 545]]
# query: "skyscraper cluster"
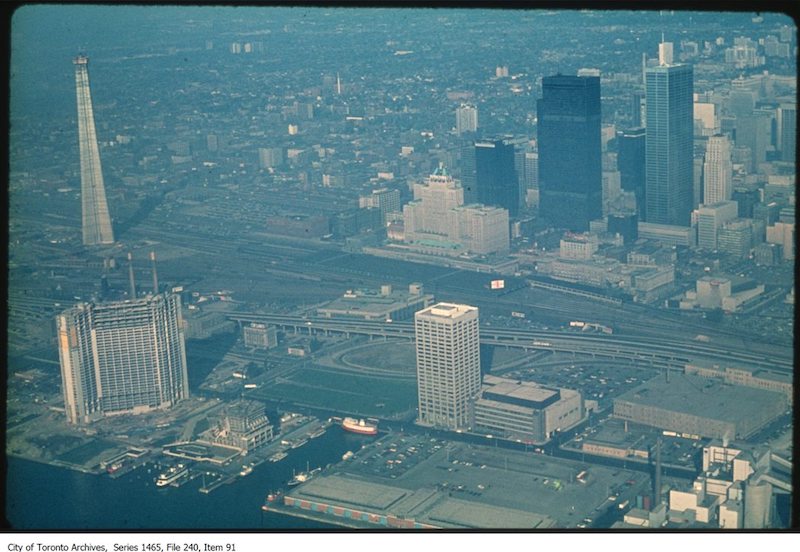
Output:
[[655, 164]]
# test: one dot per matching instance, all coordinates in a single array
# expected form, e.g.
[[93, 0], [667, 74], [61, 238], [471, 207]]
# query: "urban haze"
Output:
[[400, 269]]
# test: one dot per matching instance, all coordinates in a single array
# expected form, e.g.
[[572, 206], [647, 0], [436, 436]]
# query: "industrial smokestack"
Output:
[[130, 275], [657, 493], [155, 274]]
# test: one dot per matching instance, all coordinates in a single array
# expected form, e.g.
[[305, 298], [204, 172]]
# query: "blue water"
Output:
[[47, 497]]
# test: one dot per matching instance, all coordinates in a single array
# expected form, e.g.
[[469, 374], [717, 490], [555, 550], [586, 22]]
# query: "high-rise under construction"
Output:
[[122, 357], [96, 221]]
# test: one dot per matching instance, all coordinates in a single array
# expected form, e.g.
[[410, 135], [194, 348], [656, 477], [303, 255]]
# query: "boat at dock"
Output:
[[317, 433], [246, 470], [172, 475], [299, 443], [278, 456], [359, 426], [272, 498], [303, 477]]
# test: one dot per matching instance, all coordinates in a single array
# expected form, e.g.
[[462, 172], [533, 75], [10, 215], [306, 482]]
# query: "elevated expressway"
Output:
[[660, 353]]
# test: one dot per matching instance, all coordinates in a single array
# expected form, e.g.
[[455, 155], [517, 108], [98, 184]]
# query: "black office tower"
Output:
[[631, 165], [570, 168], [467, 167], [495, 176], [626, 225]]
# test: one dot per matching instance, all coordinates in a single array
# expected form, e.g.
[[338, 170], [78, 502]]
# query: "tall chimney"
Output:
[[657, 500], [130, 275], [155, 274]]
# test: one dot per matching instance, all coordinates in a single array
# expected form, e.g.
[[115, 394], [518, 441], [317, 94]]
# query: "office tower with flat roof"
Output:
[[668, 157], [448, 364], [746, 197], [754, 132], [466, 119], [96, 221], [387, 200], [631, 166], [570, 166], [467, 172], [735, 238], [636, 109], [495, 176], [122, 357], [717, 170], [787, 132], [710, 218]]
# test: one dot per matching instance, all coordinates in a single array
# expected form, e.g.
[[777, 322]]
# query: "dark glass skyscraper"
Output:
[[669, 161], [570, 168], [495, 176], [467, 167], [630, 162]]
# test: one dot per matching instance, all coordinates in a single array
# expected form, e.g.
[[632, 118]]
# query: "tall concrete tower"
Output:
[[96, 220]]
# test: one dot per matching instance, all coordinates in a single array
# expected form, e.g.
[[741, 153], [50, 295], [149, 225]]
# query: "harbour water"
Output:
[[42, 497]]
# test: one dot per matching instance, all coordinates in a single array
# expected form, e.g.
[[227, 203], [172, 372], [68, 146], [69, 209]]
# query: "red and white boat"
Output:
[[360, 426]]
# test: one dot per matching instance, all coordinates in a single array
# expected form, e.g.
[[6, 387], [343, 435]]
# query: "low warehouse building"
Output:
[[699, 406]]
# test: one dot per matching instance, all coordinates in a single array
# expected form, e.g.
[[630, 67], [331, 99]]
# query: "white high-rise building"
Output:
[[448, 364], [665, 53], [717, 170], [709, 219], [466, 119], [122, 357]]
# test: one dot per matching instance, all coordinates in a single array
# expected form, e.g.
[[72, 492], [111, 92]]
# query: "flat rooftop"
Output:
[[446, 310], [525, 391], [755, 371], [703, 397], [458, 485], [372, 303]]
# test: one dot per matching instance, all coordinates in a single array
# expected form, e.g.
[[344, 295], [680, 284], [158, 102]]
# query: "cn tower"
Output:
[[96, 220]]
